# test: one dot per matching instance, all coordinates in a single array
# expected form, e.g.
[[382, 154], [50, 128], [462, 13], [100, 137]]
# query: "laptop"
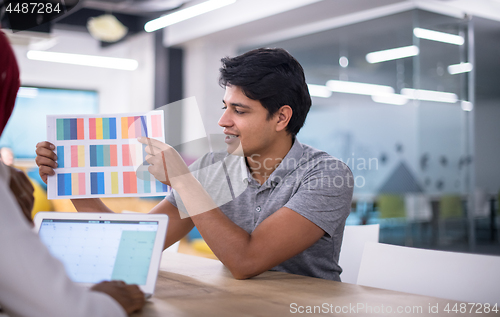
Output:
[[96, 247]]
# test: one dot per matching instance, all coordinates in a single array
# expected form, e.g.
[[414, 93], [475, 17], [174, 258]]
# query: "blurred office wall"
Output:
[[119, 90]]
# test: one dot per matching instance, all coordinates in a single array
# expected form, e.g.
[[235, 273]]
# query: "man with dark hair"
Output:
[[268, 202], [273, 77]]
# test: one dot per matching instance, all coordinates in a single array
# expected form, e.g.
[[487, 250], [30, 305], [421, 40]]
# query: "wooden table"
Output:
[[194, 286]]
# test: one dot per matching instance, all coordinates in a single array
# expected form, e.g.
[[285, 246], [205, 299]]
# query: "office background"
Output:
[[426, 170]]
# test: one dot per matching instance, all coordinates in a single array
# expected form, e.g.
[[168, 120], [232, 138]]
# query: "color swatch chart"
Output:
[[99, 155]]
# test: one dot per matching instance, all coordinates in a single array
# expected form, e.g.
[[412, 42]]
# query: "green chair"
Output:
[[391, 206], [450, 206], [392, 218], [498, 203], [452, 220]]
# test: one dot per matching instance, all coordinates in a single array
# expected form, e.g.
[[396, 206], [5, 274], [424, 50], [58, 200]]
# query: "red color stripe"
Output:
[[92, 128], [133, 182], [81, 183], [156, 125], [79, 129], [131, 128], [126, 155], [74, 156], [113, 160], [126, 183]]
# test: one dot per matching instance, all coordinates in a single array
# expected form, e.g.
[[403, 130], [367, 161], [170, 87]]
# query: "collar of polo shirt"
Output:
[[289, 163]]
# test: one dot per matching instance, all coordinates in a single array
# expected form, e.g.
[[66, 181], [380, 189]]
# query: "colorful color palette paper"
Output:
[[71, 184], [70, 129], [102, 128], [134, 154], [99, 155], [103, 155]]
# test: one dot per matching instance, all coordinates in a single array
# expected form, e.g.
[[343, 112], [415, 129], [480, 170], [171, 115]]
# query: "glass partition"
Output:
[[392, 99]]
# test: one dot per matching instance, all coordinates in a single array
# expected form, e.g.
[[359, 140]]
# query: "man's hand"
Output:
[[23, 191], [46, 159], [130, 297], [166, 165]]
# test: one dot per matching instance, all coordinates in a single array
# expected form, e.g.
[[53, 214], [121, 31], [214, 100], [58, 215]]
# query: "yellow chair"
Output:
[[201, 246], [41, 201], [64, 205]]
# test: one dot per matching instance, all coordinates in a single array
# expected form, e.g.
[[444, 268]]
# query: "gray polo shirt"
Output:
[[310, 182]]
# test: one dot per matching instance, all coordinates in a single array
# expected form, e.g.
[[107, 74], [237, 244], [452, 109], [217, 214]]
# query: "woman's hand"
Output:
[[46, 159], [130, 297]]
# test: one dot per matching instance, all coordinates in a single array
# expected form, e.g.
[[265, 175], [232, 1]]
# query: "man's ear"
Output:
[[283, 116]]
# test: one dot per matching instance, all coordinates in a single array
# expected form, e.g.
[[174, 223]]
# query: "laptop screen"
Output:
[[94, 250]]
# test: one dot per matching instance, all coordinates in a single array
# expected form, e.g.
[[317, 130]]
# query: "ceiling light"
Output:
[[467, 106], [319, 91], [460, 68], [343, 62], [185, 14], [438, 36], [392, 99], [106, 28], [391, 54], [84, 60], [350, 87], [429, 95]]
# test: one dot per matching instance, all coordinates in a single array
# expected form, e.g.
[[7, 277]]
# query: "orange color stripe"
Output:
[[124, 128], [113, 160], [79, 129]]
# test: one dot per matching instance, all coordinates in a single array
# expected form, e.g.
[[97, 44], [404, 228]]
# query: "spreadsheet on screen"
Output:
[[93, 251]]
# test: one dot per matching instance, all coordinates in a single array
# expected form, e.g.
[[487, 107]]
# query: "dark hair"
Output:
[[273, 77]]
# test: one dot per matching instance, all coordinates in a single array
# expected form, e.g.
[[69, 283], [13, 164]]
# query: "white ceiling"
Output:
[[254, 22]]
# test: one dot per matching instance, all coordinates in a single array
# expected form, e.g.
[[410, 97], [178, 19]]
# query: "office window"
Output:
[[27, 125]]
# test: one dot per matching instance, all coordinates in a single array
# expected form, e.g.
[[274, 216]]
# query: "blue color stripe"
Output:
[[99, 155], [106, 159], [112, 128], [93, 158], [144, 127], [60, 157], [60, 185], [100, 183], [105, 128], [160, 187], [67, 184], [93, 184], [140, 184], [73, 129], [147, 182], [67, 129]]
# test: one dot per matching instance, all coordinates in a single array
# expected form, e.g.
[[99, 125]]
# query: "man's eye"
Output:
[[234, 109]]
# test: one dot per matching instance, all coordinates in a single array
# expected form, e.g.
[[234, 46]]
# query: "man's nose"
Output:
[[225, 119]]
